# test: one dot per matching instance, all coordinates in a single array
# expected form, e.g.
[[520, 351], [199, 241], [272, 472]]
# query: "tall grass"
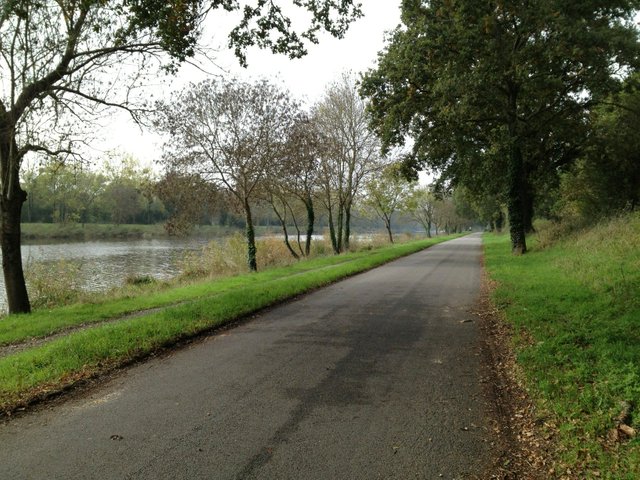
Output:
[[578, 299], [53, 283]]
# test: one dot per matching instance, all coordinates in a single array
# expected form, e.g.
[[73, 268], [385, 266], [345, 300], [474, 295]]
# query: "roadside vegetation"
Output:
[[574, 303], [188, 310]]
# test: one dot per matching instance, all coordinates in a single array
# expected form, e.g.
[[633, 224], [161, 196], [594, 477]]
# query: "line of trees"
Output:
[[258, 144], [121, 192], [517, 102], [64, 63]]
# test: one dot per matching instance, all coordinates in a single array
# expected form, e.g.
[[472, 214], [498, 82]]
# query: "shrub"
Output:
[[53, 283], [138, 280]]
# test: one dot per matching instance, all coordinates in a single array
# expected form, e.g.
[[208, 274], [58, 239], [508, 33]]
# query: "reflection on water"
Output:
[[105, 264]]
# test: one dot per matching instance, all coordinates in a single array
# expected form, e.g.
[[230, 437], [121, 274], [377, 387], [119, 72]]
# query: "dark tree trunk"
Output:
[[332, 234], [283, 224], [387, 224], [11, 200], [340, 228], [516, 203], [517, 179], [428, 229], [11, 209], [347, 226], [311, 218], [287, 243], [499, 222], [251, 238]]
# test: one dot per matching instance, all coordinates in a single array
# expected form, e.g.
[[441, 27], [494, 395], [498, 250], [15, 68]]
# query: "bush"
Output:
[[138, 280], [218, 257], [53, 283], [272, 252]]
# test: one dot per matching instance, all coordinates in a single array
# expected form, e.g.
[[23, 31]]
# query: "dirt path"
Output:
[[377, 376]]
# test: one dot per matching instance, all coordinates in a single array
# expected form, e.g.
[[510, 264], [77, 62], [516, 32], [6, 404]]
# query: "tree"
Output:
[[187, 198], [420, 205], [295, 177], [352, 154], [60, 59], [498, 92], [386, 193], [606, 179], [229, 133]]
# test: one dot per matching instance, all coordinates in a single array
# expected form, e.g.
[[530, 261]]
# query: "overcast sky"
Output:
[[306, 78]]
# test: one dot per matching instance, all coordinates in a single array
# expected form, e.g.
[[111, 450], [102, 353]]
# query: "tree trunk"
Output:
[[387, 224], [340, 228], [286, 242], [499, 221], [311, 218], [12, 198], [251, 238], [428, 229], [332, 233], [283, 224], [347, 226], [10, 209], [516, 202]]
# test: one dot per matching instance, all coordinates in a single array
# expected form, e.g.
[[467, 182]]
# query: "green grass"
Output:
[[83, 353], [578, 301]]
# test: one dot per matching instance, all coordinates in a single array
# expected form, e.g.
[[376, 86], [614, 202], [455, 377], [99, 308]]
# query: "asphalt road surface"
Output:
[[377, 376]]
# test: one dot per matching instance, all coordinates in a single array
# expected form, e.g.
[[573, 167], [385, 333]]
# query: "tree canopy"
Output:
[[495, 95]]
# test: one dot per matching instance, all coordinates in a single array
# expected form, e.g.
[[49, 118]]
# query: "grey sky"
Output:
[[305, 78]]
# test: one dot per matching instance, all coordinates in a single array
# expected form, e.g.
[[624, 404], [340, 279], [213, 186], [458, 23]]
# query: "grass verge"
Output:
[[40, 371], [575, 308]]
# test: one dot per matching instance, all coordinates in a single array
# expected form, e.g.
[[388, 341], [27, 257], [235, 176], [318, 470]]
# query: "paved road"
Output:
[[374, 377]]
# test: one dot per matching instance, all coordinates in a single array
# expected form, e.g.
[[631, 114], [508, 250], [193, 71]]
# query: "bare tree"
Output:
[[352, 155], [228, 132]]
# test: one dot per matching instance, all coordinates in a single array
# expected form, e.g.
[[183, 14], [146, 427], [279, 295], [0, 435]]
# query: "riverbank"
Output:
[[95, 231], [574, 306], [83, 341]]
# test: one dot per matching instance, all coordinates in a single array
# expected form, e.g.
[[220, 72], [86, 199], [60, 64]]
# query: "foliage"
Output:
[[69, 193], [606, 179], [420, 205], [495, 95], [387, 193], [188, 199], [292, 181], [576, 302]]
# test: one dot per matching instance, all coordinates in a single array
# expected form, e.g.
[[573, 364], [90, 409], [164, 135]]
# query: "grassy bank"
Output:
[[97, 231], [188, 311], [575, 306]]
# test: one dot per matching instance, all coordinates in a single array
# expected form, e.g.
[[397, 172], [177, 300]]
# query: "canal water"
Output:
[[105, 264]]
